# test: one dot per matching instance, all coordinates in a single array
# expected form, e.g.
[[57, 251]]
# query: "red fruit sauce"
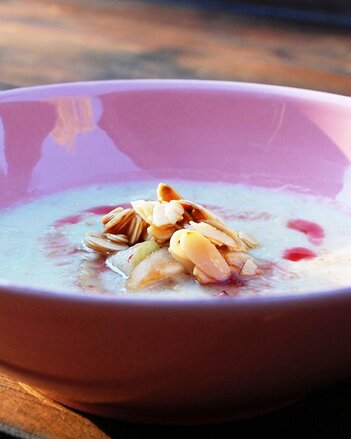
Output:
[[100, 210], [72, 219], [97, 210], [297, 253], [314, 231]]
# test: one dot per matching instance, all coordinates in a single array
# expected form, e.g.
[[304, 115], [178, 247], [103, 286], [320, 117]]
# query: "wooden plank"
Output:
[[26, 413], [70, 40]]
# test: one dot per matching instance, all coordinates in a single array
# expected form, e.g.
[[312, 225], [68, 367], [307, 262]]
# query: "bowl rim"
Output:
[[53, 294], [19, 289], [190, 84]]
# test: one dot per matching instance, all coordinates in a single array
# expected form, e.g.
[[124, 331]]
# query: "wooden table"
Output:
[[323, 415], [43, 42]]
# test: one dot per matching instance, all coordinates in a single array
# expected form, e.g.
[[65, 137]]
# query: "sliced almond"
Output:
[[110, 215], [202, 277], [248, 240], [159, 217], [103, 245], [202, 253], [145, 209], [177, 252], [174, 211], [120, 221], [165, 192], [119, 238], [134, 234], [186, 219], [131, 226], [161, 234], [236, 259], [249, 268], [167, 214], [145, 234], [239, 243], [214, 235], [197, 212]]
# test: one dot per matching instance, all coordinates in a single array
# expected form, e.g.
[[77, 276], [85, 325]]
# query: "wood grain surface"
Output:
[[26, 414], [44, 42]]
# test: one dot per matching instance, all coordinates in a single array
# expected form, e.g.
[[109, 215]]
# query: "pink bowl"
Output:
[[165, 361]]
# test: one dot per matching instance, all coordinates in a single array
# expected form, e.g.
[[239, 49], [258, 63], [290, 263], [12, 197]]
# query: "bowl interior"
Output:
[[60, 137]]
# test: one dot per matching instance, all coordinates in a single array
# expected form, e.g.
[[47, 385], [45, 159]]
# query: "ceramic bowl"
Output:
[[170, 361]]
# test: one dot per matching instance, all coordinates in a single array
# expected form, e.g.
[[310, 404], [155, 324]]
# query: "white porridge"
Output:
[[305, 241]]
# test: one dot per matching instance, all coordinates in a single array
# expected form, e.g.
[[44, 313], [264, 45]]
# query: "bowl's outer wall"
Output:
[[189, 355], [175, 356]]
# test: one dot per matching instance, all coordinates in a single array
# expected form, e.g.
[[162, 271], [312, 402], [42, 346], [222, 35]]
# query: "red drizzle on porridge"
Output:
[[314, 231], [298, 253]]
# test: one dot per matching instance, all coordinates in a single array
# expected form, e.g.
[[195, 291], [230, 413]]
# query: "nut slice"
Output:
[[119, 238], [106, 218], [240, 245], [249, 268], [203, 254], [236, 259], [161, 234], [165, 192], [214, 235], [167, 213], [248, 240], [202, 277], [119, 221], [197, 212], [135, 231], [145, 209], [103, 245], [177, 252]]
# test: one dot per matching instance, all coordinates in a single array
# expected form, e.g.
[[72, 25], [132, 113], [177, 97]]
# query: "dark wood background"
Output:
[[44, 42]]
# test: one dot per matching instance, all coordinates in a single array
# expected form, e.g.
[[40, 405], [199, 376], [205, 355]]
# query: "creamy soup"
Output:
[[305, 241]]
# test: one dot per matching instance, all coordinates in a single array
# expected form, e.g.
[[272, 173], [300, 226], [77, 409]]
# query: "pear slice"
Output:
[[125, 261], [156, 267]]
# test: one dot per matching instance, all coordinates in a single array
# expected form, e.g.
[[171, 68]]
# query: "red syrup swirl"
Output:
[[100, 210], [314, 231], [97, 210], [298, 253], [72, 219]]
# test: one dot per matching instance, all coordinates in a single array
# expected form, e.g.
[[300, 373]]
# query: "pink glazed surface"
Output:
[[154, 361]]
